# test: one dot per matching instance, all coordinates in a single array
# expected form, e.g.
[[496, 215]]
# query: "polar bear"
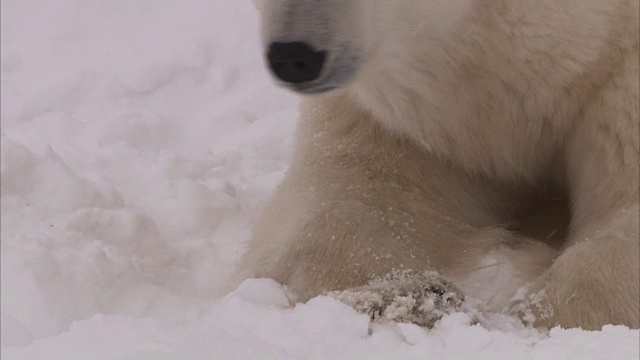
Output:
[[494, 143]]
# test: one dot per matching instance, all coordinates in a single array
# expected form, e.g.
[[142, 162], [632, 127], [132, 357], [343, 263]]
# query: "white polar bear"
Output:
[[494, 142]]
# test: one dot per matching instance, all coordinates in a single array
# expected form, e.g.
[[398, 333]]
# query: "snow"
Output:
[[139, 140]]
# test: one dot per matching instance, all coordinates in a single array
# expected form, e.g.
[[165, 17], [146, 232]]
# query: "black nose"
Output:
[[295, 62]]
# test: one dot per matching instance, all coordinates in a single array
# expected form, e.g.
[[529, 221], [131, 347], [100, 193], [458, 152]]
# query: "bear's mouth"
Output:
[[312, 89], [331, 81]]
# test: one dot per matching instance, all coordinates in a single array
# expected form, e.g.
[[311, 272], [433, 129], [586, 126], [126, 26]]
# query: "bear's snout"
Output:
[[295, 62]]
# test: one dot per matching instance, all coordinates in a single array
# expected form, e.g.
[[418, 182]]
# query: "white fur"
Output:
[[463, 127]]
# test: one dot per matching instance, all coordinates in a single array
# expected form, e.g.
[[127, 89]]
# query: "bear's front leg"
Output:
[[359, 203], [596, 280]]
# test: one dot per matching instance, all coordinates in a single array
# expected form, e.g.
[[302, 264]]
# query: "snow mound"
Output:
[[255, 321]]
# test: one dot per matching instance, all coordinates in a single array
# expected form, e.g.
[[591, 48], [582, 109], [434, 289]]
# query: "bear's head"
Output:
[[315, 46]]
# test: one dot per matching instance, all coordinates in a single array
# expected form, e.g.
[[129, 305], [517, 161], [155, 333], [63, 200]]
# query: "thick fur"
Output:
[[459, 136]]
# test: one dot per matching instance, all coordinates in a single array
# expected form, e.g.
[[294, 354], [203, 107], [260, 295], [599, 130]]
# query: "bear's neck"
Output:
[[456, 96]]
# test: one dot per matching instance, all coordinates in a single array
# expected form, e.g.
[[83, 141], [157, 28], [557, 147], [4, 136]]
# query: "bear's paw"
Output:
[[407, 297]]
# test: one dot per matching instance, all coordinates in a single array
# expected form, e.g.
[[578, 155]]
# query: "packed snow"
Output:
[[139, 140]]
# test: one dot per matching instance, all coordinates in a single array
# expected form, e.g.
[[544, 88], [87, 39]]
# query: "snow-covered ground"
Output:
[[139, 140]]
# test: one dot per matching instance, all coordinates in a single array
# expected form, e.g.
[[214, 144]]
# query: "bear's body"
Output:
[[495, 142]]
